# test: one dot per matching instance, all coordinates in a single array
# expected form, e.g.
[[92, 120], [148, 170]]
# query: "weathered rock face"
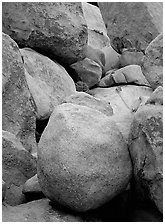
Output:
[[136, 21], [146, 149], [37, 211], [85, 99], [153, 62], [48, 82], [88, 70], [55, 28], [124, 100], [156, 97], [82, 159], [17, 104], [97, 33], [128, 74], [32, 186]]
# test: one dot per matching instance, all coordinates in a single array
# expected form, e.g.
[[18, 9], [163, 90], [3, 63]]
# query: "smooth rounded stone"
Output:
[[88, 70], [153, 62], [84, 99], [57, 29], [31, 186], [131, 57], [111, 58], [156, 97], [97, 33], [18, 109], [146, 150], [128, 74], [124, 100], [139, 22], [83, 160], [48, 82], [3, 190], [37, 211]]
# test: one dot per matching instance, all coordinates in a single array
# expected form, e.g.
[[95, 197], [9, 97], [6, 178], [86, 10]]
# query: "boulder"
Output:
[[138, 22], [81, 86], [156, 97], [31, 186], [3, 190], [37, 211], [48, 82], [84, 99], [18, 165], [18, 110], [58, 29], [146, 150], [124, 100], [83, 160], [129, 74], [88, 70], [97, 33], [153, 62]]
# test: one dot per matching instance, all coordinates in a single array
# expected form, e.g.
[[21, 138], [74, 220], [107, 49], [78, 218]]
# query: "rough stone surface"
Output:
[[85, 99], [83, 160], [153, 62], [146, 150], [129, 74], [32, 186], [54, 28], [88, 70], [136, 21], [18, 165], [97, 33], [17, 104], [124, 100], [156, 97], [48, 82], [37, 211]]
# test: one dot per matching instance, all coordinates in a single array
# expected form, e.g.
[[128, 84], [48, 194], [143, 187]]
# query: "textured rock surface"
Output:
[[129, 74], [17, 104], [55, 28], [88, 70], [97, 33], [37, 211], [85, 99], [146, 149], [153, 62], [82, 159], [124, 100], [18, 165], [156, 97], [48, 82], [136, 21], [32, 186]]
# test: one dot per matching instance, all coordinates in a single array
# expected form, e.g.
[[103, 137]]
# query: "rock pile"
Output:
[[82, 109]]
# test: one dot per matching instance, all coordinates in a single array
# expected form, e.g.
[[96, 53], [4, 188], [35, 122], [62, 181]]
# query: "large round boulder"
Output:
[[56, 28], [83, 160]]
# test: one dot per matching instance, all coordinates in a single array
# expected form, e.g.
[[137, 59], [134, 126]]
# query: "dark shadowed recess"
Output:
[[40, 126], [94, 3]]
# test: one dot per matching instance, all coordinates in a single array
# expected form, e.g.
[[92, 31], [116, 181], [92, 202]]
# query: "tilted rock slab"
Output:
[[18, 109], [55, 28], [83, 160], [153, 62], [48, 82], [137, 21], [146, 149]]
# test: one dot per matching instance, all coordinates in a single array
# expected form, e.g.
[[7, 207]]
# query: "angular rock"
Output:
[[83, 160], [85, 99], [124, 100], [57, 29], [146, 150], [139, 22], [156, 97], [88, 70], [17, 104], [97, 33], [48, 82], [3, 190], [37, 211], [111, 58], [153, 62], [81, 86], [32, 186], [129, 74]]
